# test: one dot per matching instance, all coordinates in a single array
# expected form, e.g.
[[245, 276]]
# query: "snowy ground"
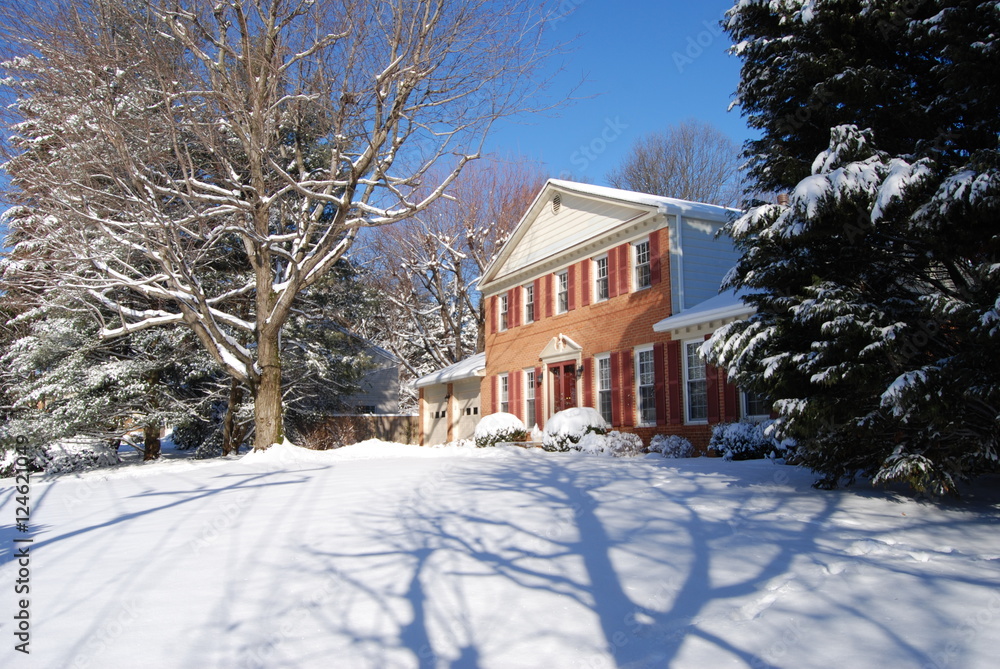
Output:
[[384, 555]]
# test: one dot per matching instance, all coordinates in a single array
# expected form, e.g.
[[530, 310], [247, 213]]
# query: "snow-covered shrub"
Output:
[[74, 455], [499, 427], [671, 446], [566, 428], [746, 441], [624, 444]]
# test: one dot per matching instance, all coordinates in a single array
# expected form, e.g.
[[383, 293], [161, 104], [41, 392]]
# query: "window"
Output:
[[642, 276], [562, 292], [645, 375], [696, 384], [504, 394], [529, 303], [756, 405], [529, 398], [503, 313], [601, 279], [604, 387]]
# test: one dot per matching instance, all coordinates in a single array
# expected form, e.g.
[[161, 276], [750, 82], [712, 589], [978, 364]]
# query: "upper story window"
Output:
[[529, 303], [695, 383], [643, 278], [604, 387], [645, 376], [562, 292], [503, 312], [601, 291]]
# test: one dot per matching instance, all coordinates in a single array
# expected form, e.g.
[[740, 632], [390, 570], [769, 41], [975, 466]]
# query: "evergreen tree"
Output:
[[877, 285]]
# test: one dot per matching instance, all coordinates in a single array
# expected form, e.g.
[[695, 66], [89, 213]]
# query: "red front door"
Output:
[[563, 385]]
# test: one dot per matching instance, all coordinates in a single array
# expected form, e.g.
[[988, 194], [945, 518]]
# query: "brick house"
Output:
[[601, 298]]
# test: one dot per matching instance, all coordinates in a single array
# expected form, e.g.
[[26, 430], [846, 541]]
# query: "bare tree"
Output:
[[426, 270], [152, 133], [693, 160]]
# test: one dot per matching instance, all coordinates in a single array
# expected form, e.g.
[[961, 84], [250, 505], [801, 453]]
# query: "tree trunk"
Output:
[[151, 442], [267, 411], [232, 435]]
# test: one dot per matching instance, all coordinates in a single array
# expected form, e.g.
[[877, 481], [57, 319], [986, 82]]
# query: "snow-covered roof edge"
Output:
[[727, 304], [463, 369]]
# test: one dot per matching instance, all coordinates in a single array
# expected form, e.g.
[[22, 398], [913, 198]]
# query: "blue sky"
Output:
[[648, 64]]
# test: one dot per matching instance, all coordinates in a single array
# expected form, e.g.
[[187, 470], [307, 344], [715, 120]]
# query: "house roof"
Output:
[[642, 205], [464, 369], [727, 304]]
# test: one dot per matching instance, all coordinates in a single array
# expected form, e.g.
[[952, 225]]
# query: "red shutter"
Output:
[[494, 315], [628, 388], [623, 264], [585, 288], [538, 299], [548, 295], [588, 382], [571, 288], [712, 381], [674, 382], [612, 273], [495, 394], [654, 257], [512, 308], [731, 397], [514, 384], [660, 383], [616, 391], [539, 398]]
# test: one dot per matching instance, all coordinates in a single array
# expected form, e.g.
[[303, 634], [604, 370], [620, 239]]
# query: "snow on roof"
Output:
[[464, 369], [727, 304], [673, 205]]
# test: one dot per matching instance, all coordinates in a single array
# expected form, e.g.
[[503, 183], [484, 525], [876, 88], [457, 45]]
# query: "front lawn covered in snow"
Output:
[[384, 555]]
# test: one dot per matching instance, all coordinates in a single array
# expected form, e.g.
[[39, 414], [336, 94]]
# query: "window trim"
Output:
[[687, 384], [561, 278], [636, 265], [503, 313], [598, 359], [503, 390], [597, 279], [529, 397], [526, 290], [648, 348]]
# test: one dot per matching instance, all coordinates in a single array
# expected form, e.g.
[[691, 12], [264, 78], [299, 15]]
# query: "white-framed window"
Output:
[[503, 312], [695, 383], [756, 405], [601, 287], [529, 398], [645, 381], [562, 292], [643, 278], [504, 393], [529, 303], [603, 385]]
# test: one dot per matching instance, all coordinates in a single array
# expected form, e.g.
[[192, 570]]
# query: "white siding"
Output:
[[578, 219], [699, 261]]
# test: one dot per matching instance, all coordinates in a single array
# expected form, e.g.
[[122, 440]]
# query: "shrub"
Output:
[[671, 446], [74, 455], [498, 428], [565, 429], [746, 441]]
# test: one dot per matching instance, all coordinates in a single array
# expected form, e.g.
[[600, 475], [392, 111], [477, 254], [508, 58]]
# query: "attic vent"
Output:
[[556, 203]]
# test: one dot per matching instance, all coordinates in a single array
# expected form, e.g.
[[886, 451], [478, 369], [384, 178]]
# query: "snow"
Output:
[[498, 424], [464, 369], [574, 422], [385, 555]]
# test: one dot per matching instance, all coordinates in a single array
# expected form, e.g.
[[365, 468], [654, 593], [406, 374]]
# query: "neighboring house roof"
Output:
[[464, 369], [724, 306]]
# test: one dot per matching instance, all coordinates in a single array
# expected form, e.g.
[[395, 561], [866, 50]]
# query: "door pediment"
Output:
[[561, 347]]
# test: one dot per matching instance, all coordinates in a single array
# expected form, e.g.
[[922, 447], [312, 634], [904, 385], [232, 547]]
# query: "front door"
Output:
[[563, 385]]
